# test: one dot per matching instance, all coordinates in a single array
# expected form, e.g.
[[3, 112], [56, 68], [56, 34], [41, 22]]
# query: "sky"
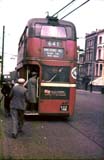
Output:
[[14, 15]]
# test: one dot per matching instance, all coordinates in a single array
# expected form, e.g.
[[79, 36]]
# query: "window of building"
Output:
[[90, 43], [100, 39], [90, 56], [96, 69], [99, 54], [100, 69], [88, 73]]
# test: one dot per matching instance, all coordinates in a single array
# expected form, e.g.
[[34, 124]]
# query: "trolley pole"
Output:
[[2, 57]]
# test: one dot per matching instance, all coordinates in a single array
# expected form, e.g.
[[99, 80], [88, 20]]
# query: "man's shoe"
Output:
[[14, 135], [20, 130]]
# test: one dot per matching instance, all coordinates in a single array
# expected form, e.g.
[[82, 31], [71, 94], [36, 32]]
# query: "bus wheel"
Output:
[[69, 118]]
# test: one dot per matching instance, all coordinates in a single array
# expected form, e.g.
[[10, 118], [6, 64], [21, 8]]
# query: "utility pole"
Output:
[[2, 58]]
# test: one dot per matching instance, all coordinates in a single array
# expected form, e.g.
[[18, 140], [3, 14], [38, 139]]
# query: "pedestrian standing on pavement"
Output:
[[91, 87], [18, 106], [6, 91], [31, 85]]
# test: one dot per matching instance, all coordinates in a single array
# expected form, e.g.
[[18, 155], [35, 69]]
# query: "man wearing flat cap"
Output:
[[18, 106]]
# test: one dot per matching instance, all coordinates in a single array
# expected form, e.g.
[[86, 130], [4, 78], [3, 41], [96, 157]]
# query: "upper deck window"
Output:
[[53, 31], [40, 30]]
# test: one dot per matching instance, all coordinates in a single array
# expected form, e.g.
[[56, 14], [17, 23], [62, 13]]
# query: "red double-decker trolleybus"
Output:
[[48, 47]]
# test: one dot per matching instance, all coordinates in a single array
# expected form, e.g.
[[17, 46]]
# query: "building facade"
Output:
[[90, 55], [99, 66], [80, 68], [94, 57]]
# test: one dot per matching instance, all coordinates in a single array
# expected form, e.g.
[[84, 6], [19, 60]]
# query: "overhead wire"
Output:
[[63, 8], [75, 9]]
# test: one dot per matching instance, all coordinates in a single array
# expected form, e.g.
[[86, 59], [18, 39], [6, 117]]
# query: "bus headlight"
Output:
[[64, 107]]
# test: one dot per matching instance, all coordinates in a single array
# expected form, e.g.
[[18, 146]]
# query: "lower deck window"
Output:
[[55, 73]]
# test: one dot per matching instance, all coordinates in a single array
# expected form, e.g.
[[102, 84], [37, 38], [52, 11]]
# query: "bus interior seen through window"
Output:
[[55, 73], [53, 31]]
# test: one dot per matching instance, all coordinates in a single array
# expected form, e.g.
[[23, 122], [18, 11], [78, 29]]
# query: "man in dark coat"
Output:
[[6, 91], [31, 85]]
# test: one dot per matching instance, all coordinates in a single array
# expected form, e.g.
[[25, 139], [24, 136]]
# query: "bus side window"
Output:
[[31, 32], [38, 29]]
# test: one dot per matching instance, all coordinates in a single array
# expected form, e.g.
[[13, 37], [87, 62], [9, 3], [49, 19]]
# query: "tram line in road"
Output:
[[85, 135]]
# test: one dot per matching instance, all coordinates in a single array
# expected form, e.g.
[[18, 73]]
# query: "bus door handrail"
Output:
[[37, 92]]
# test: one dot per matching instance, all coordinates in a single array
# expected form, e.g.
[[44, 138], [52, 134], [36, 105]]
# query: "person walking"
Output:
[[31, 85], [6, 91], [18, 106]]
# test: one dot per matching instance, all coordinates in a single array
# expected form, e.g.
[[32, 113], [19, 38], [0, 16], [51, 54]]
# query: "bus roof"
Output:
[[46, 21]]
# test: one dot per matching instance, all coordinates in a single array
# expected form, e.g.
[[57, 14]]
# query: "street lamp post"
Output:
[[2, 58]]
